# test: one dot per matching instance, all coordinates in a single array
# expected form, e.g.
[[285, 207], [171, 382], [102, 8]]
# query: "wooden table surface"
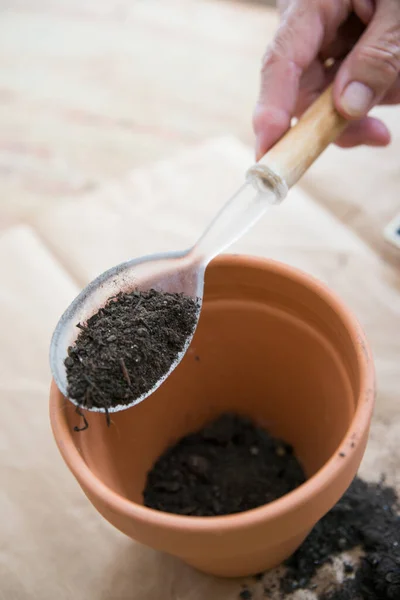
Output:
[[91, 89]]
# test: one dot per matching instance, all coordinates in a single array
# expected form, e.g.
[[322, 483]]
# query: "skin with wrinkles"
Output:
[[355, 43]]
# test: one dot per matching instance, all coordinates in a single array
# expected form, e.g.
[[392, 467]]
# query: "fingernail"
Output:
[[357, 99]]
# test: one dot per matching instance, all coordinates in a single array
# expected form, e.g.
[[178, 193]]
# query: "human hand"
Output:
[[356, 43]]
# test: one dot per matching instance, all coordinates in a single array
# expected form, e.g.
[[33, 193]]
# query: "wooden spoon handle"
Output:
[[291, 156]]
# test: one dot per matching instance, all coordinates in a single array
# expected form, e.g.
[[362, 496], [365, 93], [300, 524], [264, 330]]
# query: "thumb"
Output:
[[373, 65]]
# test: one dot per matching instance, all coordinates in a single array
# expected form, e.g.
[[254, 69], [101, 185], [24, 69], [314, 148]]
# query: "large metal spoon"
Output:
[[267, 184]]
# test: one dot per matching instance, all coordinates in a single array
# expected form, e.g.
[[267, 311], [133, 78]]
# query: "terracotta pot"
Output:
[[273, 344]]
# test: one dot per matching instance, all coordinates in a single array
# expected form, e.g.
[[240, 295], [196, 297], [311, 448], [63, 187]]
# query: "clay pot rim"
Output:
[[273, 510]]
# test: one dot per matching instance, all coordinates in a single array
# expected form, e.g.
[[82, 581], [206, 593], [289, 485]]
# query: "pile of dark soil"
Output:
[[229, 466], [232, 465], [367, 517], [127, 346]]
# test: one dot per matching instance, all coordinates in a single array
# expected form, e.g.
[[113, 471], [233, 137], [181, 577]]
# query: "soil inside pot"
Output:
[[127, 346], [229, 466]]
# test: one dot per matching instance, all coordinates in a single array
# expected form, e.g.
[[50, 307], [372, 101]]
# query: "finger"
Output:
[[347, 35], [368, 131], [373, 65], [364, 9], [350, 31], [305, 26], [295, 46], [393, 95], [313, 82]]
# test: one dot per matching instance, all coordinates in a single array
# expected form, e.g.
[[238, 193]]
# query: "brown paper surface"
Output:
[[53, 544]]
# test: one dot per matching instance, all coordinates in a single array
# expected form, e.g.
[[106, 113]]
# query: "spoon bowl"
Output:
[[173, 272]]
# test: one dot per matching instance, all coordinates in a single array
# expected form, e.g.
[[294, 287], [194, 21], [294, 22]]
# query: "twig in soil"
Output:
[[87, 332], [96, 387], [137, 305], [103, 396], [125, 372], [87, 398], [85, 423], [107, 416]]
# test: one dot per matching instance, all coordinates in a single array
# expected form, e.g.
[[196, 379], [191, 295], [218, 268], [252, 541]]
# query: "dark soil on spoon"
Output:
[[367, 517], [229, 466], [127, 346]]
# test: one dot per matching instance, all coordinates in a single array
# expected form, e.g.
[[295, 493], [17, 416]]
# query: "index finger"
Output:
[[295, 46]]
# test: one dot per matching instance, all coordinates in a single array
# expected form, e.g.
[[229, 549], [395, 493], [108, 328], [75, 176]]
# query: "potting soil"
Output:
[[366, 518], [127, 346], [229, 466]]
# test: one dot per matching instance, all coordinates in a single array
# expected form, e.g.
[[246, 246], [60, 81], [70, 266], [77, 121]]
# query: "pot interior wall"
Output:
[[267, 347]]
